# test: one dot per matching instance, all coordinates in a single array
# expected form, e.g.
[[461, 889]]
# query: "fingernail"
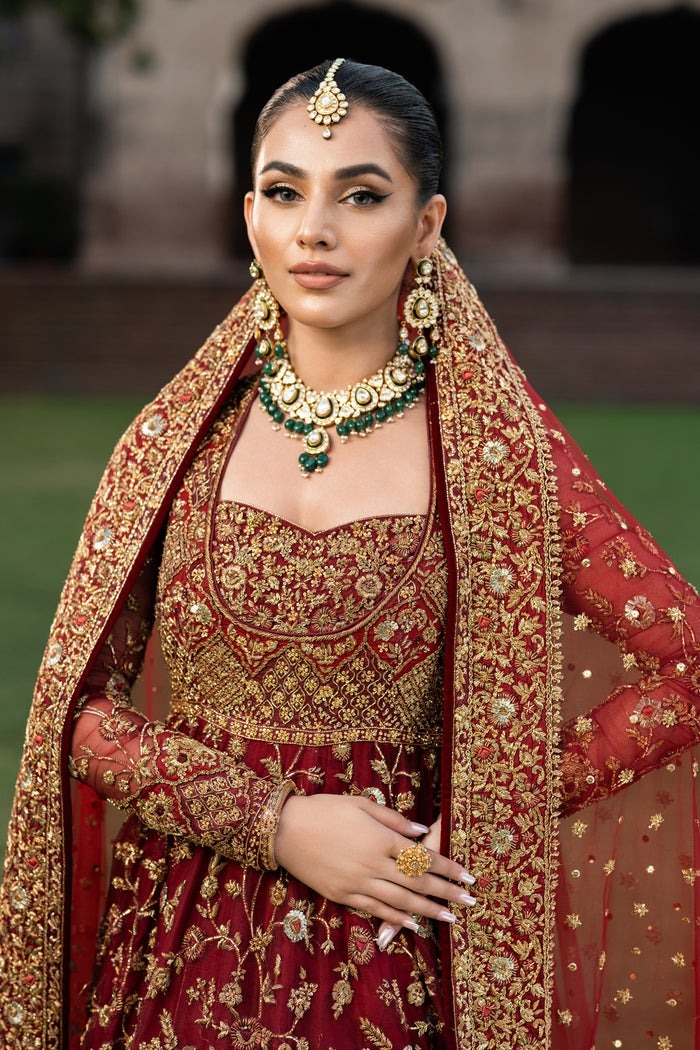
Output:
[[446, 916], [420, 829], [466, 899], [385, 937], [411, 925], [464, 876]]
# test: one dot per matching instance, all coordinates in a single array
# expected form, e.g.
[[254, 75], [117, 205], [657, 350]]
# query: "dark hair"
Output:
[[407, 115]]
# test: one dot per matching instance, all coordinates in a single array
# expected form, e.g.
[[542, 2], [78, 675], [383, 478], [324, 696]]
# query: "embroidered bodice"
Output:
[[277, 633], [271, 633]]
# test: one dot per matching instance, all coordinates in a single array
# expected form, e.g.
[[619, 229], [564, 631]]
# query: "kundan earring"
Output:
[[266, 312], [421, 311]]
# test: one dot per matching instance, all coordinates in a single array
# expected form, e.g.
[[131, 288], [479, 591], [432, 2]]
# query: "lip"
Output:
[[317, 267], [317, 275]]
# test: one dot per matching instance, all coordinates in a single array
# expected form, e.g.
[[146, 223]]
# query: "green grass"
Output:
[[52, 452]]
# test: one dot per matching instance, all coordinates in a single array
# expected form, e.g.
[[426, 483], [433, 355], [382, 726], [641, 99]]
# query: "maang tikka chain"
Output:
[[359, 409], [328, 104]]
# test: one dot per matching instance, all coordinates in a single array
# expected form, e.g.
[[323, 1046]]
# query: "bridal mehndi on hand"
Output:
[[423, 779]]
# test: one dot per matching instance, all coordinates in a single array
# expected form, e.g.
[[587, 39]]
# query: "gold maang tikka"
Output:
[[328, 104]]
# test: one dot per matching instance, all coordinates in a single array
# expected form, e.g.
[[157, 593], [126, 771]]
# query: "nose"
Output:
[[315, 227]]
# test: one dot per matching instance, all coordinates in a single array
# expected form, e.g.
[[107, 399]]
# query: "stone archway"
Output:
[[288, 43], [633, 148]]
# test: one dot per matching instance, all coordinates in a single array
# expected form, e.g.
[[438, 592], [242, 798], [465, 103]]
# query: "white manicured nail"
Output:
[[411, 925], [420, 829], [466, 899], [446, 916], [464, 876], [386, 937]]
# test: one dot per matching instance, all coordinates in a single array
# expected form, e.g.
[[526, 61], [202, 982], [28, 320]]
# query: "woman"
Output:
[[361, 657]]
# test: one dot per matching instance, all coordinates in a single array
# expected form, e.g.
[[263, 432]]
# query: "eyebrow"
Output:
[[353, 171]]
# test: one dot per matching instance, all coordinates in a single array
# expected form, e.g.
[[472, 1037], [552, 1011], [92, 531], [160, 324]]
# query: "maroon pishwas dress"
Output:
[[295, 657]]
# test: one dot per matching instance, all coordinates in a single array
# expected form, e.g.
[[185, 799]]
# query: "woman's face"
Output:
[[335, 221]]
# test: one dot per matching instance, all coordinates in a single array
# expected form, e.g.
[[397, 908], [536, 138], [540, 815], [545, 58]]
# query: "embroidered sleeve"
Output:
[[174, 783], [618, 583]]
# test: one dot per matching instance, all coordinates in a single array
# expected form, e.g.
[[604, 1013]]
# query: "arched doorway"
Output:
[[633, 147], [298, 39]]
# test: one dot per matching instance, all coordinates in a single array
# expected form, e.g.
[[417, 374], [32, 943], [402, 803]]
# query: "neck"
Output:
[[329, 359]]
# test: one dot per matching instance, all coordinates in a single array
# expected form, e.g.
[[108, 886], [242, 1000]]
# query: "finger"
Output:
[[379, 909], [432, 839], [439, 865], [430, 885], [414, 903], [385, 935], [393, 820]]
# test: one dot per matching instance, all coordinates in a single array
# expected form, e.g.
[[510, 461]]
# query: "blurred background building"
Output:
[[573, 173]]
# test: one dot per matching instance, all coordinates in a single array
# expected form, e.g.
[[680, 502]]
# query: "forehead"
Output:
[[360, 137]]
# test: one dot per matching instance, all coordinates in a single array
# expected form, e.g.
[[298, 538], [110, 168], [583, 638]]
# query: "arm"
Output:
[[619, 584], [175, 784]]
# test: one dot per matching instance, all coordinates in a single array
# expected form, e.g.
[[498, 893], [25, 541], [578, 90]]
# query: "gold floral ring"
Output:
[[414, 861]]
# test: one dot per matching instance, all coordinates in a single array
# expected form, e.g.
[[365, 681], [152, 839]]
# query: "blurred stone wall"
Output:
[[158, 193]]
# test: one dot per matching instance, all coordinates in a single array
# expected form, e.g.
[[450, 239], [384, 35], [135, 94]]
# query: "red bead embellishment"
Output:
[[80, 619], [185, 397], [38, 739], [485, 752], [29, 978], [33, 862], [484, 622], [467, 374]]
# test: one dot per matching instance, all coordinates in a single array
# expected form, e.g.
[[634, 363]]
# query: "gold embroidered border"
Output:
[[33, 894], [503, 820]]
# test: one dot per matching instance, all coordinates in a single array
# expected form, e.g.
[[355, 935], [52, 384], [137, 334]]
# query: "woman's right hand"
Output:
[[345, 848]]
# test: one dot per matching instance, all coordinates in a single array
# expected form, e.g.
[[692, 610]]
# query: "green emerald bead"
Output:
[[271, 409], [369, 419], [404, 348], [302, 459], [278, 415], [433, 352], [279, 350], [321, 459], [311, 464], [350, 426], [289, 424], [307, 428], [419, 366], [341, 430], [380, 415], [268, 368], [389, 409], [297, 426], [399, 404]]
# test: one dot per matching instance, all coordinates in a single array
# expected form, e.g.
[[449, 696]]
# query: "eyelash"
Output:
[[272, 193]]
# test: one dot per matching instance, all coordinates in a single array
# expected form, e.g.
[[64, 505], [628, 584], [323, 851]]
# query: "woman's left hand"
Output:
[[387, 932]]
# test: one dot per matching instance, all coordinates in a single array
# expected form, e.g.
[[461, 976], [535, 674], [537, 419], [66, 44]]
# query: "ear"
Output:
[[248, 216], [430, 220]]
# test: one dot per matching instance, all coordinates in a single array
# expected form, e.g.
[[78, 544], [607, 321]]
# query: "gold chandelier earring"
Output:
[[421, 311], [266, 312]]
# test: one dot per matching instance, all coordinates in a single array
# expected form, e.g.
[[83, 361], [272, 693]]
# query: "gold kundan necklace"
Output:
[[358, 409]]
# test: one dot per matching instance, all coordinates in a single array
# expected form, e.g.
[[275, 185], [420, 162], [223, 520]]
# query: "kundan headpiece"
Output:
[[328, 104]]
